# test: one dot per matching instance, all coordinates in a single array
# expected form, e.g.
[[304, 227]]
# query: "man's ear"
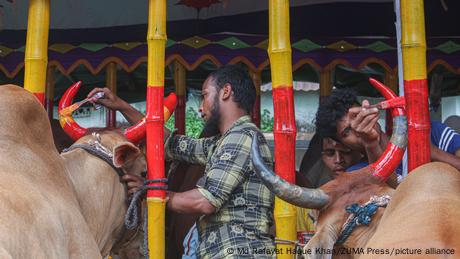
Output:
[[124, 152], [227, 91]]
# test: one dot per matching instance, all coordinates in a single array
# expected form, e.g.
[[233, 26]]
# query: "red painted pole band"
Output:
[[49, 104], [416, 92], [40, 97], [179, 115], [155, 134], [284, 132], [256, 112]]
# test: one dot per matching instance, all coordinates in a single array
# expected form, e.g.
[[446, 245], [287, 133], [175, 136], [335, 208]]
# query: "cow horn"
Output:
[[136, 132], [394, 152], [299, 196], [67, 122]]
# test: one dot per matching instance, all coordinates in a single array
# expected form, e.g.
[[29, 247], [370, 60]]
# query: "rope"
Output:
[[361, 215], [132, 217]]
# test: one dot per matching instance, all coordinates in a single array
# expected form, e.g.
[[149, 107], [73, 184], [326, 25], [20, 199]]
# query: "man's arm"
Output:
[[442, 156], [114, 102], [190, 202]]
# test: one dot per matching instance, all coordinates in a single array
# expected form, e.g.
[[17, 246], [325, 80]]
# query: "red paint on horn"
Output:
[[393, 154], [137, 133], [67, 122]]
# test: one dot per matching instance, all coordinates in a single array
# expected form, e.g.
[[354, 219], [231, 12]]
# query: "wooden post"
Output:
[[36, 55], [156, 202], [279, 51], [50, 85], [111, 83], [181, 92], [325, 83], [256, 78]]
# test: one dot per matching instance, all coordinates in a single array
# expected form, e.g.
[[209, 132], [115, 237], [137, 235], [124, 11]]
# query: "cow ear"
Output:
[[124, 152]]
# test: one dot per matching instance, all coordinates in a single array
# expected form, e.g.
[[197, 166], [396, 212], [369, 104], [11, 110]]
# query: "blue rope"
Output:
[[362, 215]]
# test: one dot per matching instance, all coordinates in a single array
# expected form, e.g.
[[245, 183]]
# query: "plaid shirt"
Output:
[[244, 206]]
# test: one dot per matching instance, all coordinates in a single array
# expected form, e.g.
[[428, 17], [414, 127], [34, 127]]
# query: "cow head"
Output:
[[134, 133], [355, 187]]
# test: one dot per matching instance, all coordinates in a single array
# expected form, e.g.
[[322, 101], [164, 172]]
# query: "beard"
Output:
[[211, 127]]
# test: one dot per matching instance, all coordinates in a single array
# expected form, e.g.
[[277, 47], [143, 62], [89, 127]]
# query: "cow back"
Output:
[[424, 211]]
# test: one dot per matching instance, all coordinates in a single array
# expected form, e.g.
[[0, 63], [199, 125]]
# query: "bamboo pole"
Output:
[[279, 51], [413, 46], [180, 83], [36, 55], [257, 80], [156, 202], [111, 83], [50, 85]]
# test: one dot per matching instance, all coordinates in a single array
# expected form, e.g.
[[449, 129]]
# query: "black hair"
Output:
[[244, 92], [333, 108]]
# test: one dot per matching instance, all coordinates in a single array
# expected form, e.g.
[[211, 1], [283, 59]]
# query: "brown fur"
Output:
[[412, 219], [54, 206]]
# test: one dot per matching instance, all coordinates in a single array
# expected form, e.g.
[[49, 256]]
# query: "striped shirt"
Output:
[[244, 206], [444, 138]]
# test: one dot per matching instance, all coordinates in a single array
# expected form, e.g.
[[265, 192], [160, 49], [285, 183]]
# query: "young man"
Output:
[[341, 117], [236, 208]]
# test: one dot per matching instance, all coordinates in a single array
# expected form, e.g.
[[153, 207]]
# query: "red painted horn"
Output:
[[136, 132], [67, 122], [391, 157]]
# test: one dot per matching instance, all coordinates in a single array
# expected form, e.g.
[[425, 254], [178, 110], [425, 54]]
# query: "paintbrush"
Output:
[[70, 109]]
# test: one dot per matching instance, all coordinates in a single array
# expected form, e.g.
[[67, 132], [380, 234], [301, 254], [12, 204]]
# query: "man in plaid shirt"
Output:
[[237, 208]]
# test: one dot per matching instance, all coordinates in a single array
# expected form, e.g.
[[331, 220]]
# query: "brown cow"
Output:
[[57, 206], [422, 214]]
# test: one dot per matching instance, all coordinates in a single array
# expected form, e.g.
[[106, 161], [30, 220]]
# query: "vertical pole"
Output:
[[180, 83], [50, 85], [415, 82], [390, 81], [256, 78], [279, 51], [397, 5], [156, 203], [111, 83], [325, 84], [36, 56]]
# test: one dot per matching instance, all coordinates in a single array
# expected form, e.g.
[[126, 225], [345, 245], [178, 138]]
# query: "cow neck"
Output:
[[101, 209]]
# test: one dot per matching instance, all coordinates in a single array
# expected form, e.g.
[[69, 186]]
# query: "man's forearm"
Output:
[[190, 202], [130, 113], [442, 156]]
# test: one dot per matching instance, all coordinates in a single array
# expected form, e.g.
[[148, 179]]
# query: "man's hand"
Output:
[[109, 100], [364, 123], [134, 182]]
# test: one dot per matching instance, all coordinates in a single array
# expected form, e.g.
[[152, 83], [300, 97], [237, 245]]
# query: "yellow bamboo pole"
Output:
[[413, 46], [111, 83], [36, 55], [180, 83], [279, 51], [156, 202]]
